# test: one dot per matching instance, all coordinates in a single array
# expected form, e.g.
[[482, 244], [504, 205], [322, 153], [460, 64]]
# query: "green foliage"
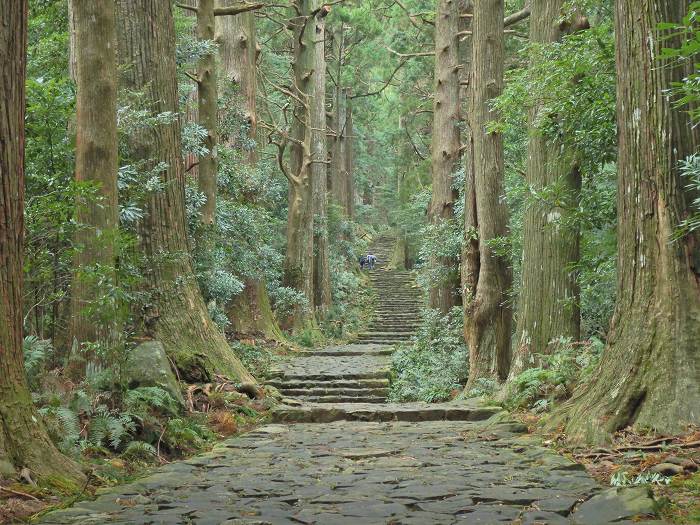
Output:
[[569, 364], [690, 170], [257, 360], [622, 479], [683, 48], [435, 363], [186, 434], [37, 353]]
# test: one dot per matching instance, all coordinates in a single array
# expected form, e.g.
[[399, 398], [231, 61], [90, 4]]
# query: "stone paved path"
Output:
[[369, 462]]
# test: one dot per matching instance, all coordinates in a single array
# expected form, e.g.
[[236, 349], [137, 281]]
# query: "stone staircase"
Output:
[[351, 382], [399, 301], [359, 373]]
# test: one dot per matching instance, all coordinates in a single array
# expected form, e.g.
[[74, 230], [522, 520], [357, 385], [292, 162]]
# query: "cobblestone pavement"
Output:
[[367, 473], [340, 454]]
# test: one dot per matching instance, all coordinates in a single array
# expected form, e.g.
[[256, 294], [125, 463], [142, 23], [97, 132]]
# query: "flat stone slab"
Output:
[[350, 473], [335, 366], [329, 412], [349, 350]]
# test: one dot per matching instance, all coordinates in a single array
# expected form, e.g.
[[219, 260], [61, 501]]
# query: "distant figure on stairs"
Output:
[[371, 260], [363, 262]]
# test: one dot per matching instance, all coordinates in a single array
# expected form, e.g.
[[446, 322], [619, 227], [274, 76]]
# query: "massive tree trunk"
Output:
[[487, 312], [176, 315], [23, 439], [548, 304], [445, 146], [92, 319], [319, 172], [251, 313], [649, 375]]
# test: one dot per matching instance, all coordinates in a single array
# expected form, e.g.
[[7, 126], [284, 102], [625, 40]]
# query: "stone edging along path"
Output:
[[338, 453]]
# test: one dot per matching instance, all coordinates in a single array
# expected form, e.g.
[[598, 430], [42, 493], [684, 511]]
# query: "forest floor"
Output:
[[337, 452]]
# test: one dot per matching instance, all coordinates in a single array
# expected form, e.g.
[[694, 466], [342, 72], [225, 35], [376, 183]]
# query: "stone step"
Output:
[[337, 383], [345, 353], [384, 335], [347, 392], [329, 412], [342, 399], [378, 374], [398, 327]]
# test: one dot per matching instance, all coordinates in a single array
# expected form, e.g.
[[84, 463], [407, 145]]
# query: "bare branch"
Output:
[[235, 10], [518, 16], [411, 55], [188, 8]]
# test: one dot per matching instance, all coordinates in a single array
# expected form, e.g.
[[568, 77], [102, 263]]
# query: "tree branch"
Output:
[[188, 8], [518, 16], [237, 9]]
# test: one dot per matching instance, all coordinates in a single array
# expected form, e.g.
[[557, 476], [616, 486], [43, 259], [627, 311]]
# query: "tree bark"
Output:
[[176, 314], [649, 375], [250, 313], [445, 146], [298, 264], [95, 162], [24, 442], [238, 52], [207, 107], [548, 304], [349, 157], [339, 155], [488, 314], [319, 171]]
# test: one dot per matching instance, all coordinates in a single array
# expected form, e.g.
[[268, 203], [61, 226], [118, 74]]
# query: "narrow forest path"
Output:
[[370, 462]]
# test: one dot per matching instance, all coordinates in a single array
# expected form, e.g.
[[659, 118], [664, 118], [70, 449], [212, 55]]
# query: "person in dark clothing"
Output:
[[363, 262]]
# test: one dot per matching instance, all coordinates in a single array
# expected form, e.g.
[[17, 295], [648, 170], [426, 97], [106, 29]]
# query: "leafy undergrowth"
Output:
[[121, 434], [433, 367]]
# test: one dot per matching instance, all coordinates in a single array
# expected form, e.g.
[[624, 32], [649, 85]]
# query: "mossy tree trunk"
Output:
[[175, 314], [94, 318], [24, 442], [548, 306], [445, 146], [487, 312], [649, 374]]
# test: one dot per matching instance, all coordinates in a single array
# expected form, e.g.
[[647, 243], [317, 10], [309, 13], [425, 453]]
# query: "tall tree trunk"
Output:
[[177, 315], [649, 375], [349, 158], [238, 50], [298, 264], [319, 171], [469, 260], [488, 314], [548, 304], [338, 153], [23, 439], [445, 145], [250, 312], [207, 107], [95, 162]]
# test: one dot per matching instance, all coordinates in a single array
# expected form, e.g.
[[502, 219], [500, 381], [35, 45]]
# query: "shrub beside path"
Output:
[[337, 453]]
